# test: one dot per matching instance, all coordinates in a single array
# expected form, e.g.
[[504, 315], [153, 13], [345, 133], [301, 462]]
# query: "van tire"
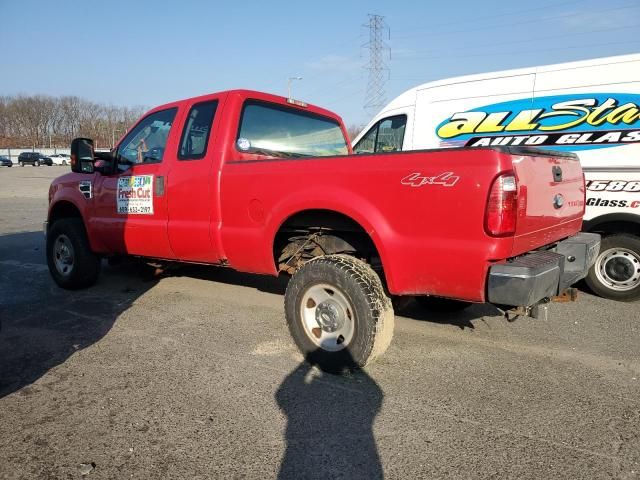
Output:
[[36, 163], [623, 252], [67, 240], [21, 164], [364, 312]]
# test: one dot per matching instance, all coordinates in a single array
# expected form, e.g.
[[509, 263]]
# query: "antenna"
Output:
[[375, 97]]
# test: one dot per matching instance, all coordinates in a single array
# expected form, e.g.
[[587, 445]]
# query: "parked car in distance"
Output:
[[60, 158], [5, 161], [33, 158]]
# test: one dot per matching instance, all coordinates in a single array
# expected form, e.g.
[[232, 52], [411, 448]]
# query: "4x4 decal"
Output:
[[446, 179]]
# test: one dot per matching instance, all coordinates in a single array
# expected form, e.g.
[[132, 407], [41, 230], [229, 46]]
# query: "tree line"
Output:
[[44, 121]]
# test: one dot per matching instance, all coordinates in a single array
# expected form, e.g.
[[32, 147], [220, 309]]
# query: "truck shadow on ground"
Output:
[[263, 283], [329, 432], [405, 307], [42, 324], [461, 319]]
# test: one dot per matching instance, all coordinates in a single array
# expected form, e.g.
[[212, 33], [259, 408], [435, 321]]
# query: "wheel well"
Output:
[[63, 210], [312, 233]]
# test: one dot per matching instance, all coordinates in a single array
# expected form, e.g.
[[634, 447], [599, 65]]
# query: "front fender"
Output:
[[66, 200]]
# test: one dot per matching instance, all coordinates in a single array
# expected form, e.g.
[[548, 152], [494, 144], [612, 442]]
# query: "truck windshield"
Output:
[[276, 130]]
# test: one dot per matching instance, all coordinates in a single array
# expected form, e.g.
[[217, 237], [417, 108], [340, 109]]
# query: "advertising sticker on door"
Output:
[[135, 195]]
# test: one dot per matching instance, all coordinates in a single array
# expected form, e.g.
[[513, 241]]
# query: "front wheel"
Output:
[[36, 163], [616, 272], [64, 163], [71, 262], [338, 313]]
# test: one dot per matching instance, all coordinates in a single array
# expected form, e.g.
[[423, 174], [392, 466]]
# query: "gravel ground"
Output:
[[193, 375]]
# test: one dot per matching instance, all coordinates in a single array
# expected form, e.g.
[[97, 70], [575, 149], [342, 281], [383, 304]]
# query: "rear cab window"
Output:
[[277, 130], [197, 130], [387, 135]]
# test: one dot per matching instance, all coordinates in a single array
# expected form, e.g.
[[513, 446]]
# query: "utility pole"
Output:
[[289, 85], [375, 97]]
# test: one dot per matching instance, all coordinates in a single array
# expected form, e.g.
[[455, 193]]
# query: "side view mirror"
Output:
[[82, 156], [104, 163]]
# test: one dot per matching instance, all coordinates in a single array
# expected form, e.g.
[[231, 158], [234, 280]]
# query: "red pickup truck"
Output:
[[269, 185]]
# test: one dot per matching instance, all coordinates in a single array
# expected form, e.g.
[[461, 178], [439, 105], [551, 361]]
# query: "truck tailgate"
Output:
[[550, 198]]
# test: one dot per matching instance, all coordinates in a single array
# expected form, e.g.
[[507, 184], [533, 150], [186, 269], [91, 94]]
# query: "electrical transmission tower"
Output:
[[379, 51]]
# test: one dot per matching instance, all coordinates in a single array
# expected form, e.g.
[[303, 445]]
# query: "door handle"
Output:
[[159, 186]]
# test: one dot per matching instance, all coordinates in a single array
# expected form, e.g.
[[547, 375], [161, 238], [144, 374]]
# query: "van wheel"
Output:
[[36, 163], [338, 313], [441, 305], [21, 164], [616, 273], [71, 262]]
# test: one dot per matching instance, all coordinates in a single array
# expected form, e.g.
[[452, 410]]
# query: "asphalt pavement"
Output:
[[192, 374]]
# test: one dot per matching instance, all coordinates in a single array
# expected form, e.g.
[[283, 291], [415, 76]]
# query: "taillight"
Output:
[[584, 193], [502, 207]]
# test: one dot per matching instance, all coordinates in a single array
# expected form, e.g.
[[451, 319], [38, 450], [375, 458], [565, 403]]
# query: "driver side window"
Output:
[[147, 141], [385, 136]]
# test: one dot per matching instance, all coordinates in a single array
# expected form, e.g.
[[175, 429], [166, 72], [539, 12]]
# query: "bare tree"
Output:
[[39, 120], [353, 131]]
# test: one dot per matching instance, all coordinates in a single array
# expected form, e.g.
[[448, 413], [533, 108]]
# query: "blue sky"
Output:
[[147, 53]]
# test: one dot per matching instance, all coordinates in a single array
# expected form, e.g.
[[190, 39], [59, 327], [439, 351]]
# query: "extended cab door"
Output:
[[130, 206], [192, 187]]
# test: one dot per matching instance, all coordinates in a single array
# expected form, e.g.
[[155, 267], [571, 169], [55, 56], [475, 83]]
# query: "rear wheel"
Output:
[[64, 163], [71, 262], [442, 305], [36, 163], [616, 273], [338, 313], [21, 164]]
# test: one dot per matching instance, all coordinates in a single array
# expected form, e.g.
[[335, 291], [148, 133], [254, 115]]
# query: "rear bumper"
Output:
[[530, 278]]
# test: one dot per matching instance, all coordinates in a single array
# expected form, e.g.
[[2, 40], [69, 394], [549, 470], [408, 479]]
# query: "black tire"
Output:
[[36, 163], [85, 267], [21, 164], [616, 272], [442, 305], [371, 316], [64, 163], [9, 165]]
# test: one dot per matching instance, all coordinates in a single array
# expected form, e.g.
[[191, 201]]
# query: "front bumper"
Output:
[[530, 278]]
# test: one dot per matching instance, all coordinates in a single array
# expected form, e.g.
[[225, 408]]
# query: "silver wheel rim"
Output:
[[63, 255], [327, 317], [618, 269]]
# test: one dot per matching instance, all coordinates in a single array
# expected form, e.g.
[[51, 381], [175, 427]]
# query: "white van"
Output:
[[590, 107]]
